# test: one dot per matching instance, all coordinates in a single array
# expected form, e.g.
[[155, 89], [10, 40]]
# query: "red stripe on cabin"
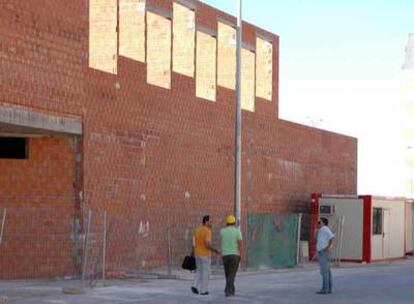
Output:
[[367, 228]]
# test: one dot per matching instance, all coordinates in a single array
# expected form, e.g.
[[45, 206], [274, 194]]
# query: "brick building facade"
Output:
[[123, 113]]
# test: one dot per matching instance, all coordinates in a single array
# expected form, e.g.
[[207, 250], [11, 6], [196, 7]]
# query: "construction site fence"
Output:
[[54, 242]]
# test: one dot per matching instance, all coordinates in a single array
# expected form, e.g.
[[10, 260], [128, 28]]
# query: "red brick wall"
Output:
[[39, 199], [156, 156], [43, 57]]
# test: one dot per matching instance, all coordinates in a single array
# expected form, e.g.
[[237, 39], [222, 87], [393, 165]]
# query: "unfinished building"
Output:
[[126, 108]]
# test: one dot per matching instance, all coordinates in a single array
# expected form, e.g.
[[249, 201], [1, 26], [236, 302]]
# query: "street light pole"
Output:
[[237, 184]]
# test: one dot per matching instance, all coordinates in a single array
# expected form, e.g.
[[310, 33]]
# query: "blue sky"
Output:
[[340, 70]]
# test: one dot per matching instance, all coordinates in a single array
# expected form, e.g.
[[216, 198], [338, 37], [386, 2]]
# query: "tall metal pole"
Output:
[[411, 174], [411, 170], [237, 190], [411, 179]]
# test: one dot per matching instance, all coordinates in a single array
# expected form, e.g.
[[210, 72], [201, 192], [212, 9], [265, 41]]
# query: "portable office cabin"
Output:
[[367, 228]]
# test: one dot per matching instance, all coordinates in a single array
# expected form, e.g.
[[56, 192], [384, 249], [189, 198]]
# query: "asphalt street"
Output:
[[380, 284]]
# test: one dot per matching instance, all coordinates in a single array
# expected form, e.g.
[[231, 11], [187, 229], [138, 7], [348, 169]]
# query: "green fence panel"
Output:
[[272, 240]]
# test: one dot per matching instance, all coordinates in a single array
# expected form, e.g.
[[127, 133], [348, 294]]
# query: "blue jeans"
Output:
[[324, 259], [202, 275]]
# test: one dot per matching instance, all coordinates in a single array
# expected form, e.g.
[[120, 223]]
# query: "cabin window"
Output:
[[377, 221]]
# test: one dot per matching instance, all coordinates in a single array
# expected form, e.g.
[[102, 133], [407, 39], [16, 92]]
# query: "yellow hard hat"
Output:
[[230, 219]]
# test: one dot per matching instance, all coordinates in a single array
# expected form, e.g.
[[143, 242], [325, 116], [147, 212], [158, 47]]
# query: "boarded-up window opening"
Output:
[[206, 66], [103, 40], [158, 50], [264, 69], [132, 29], [226, 69], [248, 80], [183, 40], [13, 148]]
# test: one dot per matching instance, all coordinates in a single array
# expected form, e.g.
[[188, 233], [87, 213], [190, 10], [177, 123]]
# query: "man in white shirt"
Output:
[[324, 243]]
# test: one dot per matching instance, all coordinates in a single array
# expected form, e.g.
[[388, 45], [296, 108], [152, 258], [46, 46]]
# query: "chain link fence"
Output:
[[132, 244], [51, 241], [38, 242]]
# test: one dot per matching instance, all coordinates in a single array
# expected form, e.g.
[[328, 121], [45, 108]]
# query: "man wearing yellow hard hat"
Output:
[[231, 239]]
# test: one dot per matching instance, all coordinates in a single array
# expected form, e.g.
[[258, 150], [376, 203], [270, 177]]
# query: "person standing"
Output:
[[231, 239], [202, 250], [324, 243]]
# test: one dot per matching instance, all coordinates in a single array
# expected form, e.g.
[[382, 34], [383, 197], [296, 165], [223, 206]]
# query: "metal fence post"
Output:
[[298, 238], [2, 224], [246, 242], [169, 266], [85, 247], [341, 235], [104, 250]]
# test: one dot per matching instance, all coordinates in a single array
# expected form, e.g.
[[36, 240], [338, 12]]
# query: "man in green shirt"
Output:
[[231, 239]]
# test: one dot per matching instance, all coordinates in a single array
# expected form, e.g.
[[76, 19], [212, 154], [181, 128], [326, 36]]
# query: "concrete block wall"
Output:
[[158, 158]]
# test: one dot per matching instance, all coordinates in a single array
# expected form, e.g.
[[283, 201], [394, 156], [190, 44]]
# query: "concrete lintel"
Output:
[[265, 37], [228, 22], [191, 4], [248, 46], [159, 11], [206, 30], [16, 119]]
